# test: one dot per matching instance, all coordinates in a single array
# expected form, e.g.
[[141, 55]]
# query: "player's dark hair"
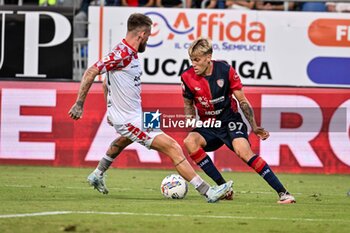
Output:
[[138, 20]]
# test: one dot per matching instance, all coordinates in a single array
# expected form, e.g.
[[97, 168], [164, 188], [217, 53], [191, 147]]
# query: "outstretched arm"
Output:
[[76, 111], [249, 115]]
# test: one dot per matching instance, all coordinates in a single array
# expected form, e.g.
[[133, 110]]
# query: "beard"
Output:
[[142, 47]]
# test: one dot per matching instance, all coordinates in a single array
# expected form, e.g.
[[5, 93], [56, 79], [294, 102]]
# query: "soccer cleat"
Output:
[[98, 182], [215, 193], [286, 198], [229, 195]]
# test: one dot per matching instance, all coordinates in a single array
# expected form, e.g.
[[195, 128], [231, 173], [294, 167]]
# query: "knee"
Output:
[[190, 143]]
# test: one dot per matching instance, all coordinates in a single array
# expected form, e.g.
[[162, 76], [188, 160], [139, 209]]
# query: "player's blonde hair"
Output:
[[201, 46]]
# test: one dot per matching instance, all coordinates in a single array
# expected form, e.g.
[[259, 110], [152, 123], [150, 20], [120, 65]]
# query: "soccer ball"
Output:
[[174, 186]]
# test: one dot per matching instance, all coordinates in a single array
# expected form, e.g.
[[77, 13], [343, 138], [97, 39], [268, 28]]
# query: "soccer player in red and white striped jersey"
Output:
[[123, 70]]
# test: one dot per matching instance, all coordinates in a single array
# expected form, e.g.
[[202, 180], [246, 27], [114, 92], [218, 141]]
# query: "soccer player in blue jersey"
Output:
[[209, 86]]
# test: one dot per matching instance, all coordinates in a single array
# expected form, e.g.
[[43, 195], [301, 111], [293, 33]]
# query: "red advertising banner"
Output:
[[309, 127]]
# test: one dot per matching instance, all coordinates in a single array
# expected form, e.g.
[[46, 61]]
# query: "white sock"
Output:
[[200, 185], [196, 181], [103, 165], [108, 158], [98, 172]]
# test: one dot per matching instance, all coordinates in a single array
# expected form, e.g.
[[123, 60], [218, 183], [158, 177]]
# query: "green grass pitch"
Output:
[[46, 199]]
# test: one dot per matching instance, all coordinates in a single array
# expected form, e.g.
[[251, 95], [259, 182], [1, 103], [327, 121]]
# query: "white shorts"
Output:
[[134, 132]]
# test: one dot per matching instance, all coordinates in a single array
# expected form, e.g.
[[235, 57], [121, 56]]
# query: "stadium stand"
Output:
[[80, 7]]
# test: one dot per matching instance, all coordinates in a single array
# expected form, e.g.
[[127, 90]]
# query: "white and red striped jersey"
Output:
[[124, 84]]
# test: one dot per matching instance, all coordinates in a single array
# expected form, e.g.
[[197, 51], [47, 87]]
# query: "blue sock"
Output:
[[264, 170], [207, 165]]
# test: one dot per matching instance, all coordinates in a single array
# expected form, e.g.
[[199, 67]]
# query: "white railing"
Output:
[[80, 57]]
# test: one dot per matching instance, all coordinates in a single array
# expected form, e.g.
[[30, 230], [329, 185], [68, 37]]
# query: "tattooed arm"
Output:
[[249, 115], [76, 111], [190, 111]]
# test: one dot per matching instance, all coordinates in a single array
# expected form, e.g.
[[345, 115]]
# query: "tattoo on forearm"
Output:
[[190, 111], [248, 112], [84, 89], [80, 103], [86, 83], [189, 108]]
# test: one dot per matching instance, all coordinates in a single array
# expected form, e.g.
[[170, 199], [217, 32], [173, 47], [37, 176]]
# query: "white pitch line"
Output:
[[18, 186], [59, 187], [171, 215], [35, 214]]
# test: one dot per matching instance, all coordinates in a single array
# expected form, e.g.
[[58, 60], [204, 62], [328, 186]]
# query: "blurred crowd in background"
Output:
[[81, 6]]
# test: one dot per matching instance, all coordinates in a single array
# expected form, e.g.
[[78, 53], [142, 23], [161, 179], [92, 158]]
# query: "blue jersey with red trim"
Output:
[[212, 95]]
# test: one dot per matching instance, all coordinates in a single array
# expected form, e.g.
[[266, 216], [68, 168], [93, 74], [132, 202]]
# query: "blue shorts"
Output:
[[216, 137]]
